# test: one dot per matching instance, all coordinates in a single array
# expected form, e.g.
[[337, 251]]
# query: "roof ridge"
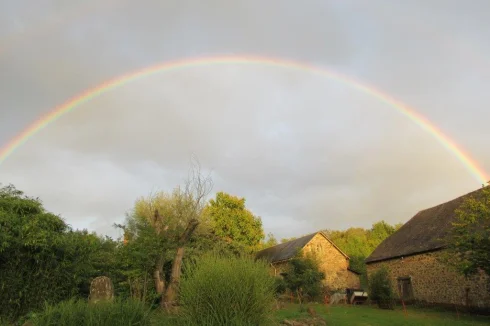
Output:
[[283, 243], [284, 251], [452, 200], [422, 232]]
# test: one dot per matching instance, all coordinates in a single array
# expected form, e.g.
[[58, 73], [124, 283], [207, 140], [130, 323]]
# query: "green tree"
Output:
[[231, 221], [468, 241], [270, 241], [166, 222], [41, 258], [304, 277], [138, 258], [91, 255], [380, 231], [283, 240], [359, 243]]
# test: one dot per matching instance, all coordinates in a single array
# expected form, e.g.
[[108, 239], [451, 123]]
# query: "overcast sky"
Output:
[[307, 152]]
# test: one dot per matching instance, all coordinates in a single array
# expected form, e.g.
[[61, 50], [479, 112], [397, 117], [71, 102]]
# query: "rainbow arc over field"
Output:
[[470, 164]]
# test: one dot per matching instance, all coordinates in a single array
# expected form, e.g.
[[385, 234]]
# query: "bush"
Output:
[[281, 285], [380, 289], [79, 312], [41, 258], [227, 290], [304, 278]]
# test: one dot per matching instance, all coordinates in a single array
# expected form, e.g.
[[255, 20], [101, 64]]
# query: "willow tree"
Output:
[[172, 218]]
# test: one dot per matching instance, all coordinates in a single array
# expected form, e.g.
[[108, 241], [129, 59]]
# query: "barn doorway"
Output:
[[405, 288]]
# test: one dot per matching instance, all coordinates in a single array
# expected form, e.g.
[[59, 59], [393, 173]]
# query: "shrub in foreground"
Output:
[[227, 290], [380, 289], [80, 312]]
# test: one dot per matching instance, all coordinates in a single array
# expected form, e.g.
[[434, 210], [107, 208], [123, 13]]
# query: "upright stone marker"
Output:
[[101, 289]]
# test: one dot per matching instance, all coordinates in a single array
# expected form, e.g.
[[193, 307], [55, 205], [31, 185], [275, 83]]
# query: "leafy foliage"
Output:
[[380, 288], [283, 240], [303, 277], [41, 258], [136, 260], [170, 220], [270, 241], [359, 243], [232, 221], [469, 238], [227, 290]]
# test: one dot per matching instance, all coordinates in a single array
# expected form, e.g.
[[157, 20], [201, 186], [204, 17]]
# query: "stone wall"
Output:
[[332, 263], [353, 280], [434, 282]]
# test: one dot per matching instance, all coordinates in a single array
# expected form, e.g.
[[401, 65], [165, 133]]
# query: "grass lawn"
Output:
[[338, 315], [363, 315]]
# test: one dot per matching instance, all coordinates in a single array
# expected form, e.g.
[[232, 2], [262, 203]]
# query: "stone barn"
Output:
[[412, 255], [333, 262]]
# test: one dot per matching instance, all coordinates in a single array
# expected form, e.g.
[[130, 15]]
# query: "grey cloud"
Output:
[[306, 151]]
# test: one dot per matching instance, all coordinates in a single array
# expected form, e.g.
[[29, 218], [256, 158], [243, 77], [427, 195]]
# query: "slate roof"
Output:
[[288, 250], [422, 233]]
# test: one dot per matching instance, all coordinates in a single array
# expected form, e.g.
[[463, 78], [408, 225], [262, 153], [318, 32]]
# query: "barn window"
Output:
[[405, 288]]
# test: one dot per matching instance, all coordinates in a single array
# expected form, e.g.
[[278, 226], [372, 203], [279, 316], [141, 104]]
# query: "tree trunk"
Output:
[[171, 290], [159, 276]]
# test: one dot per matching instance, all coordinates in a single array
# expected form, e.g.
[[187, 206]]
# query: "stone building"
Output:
[[333, 262], [413, 257]]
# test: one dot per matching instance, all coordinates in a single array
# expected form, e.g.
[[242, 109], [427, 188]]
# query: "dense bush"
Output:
[[380, 288], [304, 277], [76, 313], [41, 258], [136, 260], [281, 285], [227, 290]]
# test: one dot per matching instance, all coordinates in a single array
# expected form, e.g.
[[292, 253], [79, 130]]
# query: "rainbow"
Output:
[[470, 164]]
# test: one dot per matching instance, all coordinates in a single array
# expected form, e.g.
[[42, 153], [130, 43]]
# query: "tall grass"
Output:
[[79, 312], [227, 290]]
